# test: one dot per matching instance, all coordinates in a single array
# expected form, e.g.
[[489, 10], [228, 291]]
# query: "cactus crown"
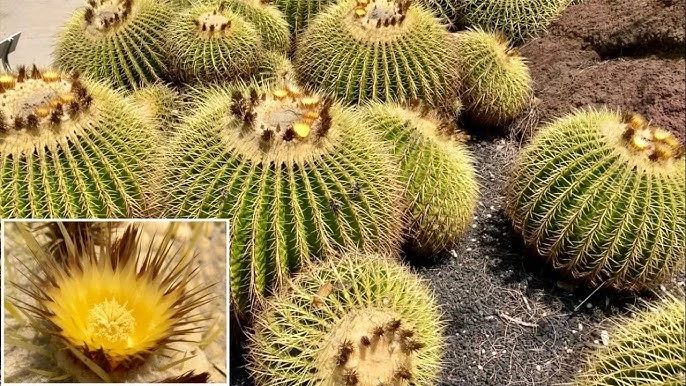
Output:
[[369, 346], [283, 124], [645, 147], [215, 23], [645, 142], [378, 20], [39, 105], [107, 16]]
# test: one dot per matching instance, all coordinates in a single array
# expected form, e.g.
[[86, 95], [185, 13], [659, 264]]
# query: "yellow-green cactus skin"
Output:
[[359, 320], [71, 147], [118, 41], [647, 349], [601, 196]]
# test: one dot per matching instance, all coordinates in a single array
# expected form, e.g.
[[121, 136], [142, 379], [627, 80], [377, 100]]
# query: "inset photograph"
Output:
[[114, 302]]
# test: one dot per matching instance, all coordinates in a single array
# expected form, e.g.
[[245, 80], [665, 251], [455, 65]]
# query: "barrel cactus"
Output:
[[120, 41], [385, 50], [299, 12], [297, 175], [496, 84], [647, 349], [362, 320], [601, 196], [209, 41], [519, 20], [70, 147], [438, 172], [270, 23]]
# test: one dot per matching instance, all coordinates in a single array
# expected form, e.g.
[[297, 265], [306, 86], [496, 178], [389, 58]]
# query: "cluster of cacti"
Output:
[[362, 320], [601, 196], [70, 147], [496, 84], [297, 175], [519, 20], [386, 50], [647, 349], [440, 180], [120, 41]]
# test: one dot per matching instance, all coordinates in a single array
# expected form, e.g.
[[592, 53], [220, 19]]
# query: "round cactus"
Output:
[[496, 84], [519, 20], [601, 196], [440, 180], [384, 50], [70, 148], [120, 41], [647, 349], [297, 176], [362, 320], [299, 12], [158, 103], [209, 41], [268, 20]]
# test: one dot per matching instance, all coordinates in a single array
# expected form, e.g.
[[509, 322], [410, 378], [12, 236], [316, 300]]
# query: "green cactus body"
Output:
[[601, 196], [386, 50], [119, 41], [209, 42], [299, 12], [70, 148], [519, 20], [440, 180], [496, 84], [297, 176], [158, 102], [647, 349], [268, 20], [275, 68], [361, 320]]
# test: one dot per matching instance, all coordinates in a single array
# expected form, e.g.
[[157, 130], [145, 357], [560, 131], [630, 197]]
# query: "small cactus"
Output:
[[119, 41], [387, 50], [438, 172], [70, 147], [298, 176], [647, 349], [496, 84], [601, 196], [210, 42], [359, 320]]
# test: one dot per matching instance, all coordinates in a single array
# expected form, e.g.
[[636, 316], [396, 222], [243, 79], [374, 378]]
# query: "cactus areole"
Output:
[[105, 16], [369, 347], [37, 107], [282, 124]]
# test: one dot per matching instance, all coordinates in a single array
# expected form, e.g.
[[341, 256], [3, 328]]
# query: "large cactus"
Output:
[[299, 12], [601, 196], [120, 41], [385, 50], [440, 180], [298, 177], [362, 320], [70, 147], [647, 349]]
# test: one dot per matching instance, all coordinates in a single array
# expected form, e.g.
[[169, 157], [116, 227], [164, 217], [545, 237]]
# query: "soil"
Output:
[[510, 320]]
